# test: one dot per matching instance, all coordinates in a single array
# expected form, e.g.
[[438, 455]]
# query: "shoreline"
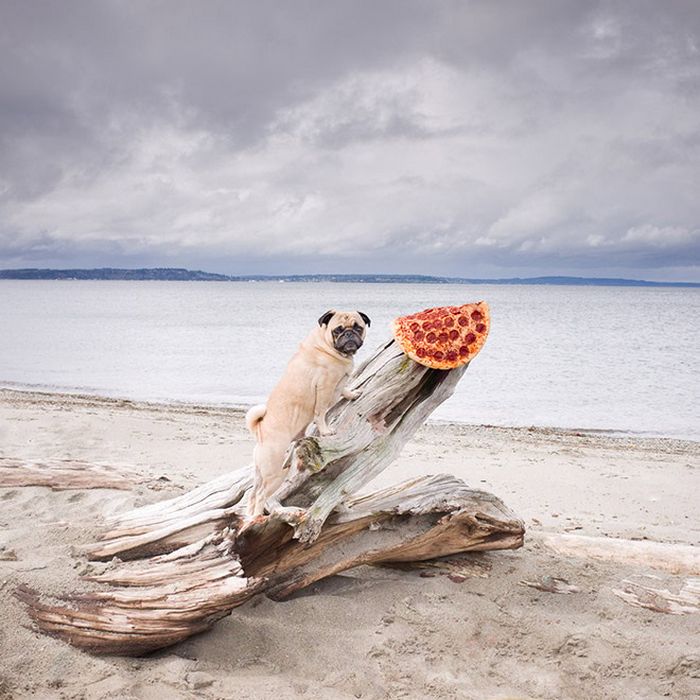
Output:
[[39, 392], [619, 486]]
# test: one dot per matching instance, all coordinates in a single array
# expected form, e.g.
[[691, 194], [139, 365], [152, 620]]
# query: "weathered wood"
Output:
[[674, 558], [162, 601], [425, 518], [140, 619], [662, 600], [173, 523], [65, 474], [552, 584]]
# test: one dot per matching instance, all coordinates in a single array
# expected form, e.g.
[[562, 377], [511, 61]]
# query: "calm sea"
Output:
[[608, 358]]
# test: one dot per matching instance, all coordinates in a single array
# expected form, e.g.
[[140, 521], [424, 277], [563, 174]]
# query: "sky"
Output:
[[471, 138]]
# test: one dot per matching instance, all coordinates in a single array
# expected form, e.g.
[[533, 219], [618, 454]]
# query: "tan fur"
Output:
[[314, 380], [253, 419]]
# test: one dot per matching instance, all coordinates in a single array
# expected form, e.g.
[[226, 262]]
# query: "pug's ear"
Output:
[[365, 318], [323, 321]]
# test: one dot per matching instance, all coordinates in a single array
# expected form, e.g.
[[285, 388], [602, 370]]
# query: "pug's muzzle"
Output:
[[349, 341]]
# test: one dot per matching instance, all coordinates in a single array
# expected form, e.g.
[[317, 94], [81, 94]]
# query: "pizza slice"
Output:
[[445, 337]]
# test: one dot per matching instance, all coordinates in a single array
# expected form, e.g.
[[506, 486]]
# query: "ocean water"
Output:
[[603, 358]]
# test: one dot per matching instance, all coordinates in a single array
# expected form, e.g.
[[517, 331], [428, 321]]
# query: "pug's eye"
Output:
[[357, 327], [337, 330]]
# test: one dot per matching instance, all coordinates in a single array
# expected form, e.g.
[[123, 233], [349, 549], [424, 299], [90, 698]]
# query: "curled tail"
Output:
[[253, 419]]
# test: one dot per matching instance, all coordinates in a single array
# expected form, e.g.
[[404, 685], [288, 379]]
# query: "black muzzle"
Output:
[[348, 342]]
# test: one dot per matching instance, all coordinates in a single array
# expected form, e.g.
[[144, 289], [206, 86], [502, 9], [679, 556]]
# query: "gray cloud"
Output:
[[462, 137]]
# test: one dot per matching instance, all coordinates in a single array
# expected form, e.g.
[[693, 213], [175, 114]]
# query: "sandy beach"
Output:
[[373, 632]]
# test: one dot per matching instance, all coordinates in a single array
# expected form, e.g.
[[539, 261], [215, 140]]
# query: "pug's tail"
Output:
[[253, 419]]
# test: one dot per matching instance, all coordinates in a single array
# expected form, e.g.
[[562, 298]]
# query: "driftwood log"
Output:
[[154, 603], [187, 562], [65, 474], [672, 558]]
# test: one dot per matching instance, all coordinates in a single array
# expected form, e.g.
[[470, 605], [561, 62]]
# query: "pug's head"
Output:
[[344, 331]]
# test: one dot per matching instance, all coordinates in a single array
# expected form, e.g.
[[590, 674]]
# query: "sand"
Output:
[[374, 632]]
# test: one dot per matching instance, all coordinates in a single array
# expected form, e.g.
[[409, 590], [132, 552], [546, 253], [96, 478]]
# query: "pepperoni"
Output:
[[454, 309], [469, 338], [437, 324], [438, 355], [427, 326], [463, 321], [442, 337], [421, 352], [418, 335], [480, 328], [454, 334], [451, 355], [431, 337], [477, 315], [448, 321], [464, 350], [415, 326]]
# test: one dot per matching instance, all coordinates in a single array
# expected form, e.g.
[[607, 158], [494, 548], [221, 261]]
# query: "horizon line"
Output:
[[23, 273]]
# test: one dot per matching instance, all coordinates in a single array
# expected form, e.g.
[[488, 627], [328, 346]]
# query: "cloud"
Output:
[[446, 137], [662, 237]]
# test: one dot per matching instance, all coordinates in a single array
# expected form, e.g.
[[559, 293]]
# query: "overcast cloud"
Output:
[[464, 138]]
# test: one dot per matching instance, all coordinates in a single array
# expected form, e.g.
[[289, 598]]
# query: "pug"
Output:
[[314, 380]]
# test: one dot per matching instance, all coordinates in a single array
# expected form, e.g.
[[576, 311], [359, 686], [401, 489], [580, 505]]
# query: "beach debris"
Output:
[[673, 558], [7, 554], [161, 483], [662, 600], [552, 584], [196, 680], [66, 474]]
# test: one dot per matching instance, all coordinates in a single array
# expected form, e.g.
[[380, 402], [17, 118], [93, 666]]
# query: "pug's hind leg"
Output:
[[294, 478], [256, 498], [269, 474]]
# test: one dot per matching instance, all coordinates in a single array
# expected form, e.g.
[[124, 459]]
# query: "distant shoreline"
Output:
[[171, 274], [63, 395]]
